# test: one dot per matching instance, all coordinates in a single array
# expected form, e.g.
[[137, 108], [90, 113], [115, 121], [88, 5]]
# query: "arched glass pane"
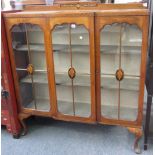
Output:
[[71, 58], [120, 50], [29, 53]]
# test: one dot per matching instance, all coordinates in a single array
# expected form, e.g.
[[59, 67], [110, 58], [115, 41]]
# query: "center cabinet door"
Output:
[[73, 61]]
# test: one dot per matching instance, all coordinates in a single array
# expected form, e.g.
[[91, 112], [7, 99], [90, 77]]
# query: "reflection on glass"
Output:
[[71, 51], [29, 53], [120, 49]]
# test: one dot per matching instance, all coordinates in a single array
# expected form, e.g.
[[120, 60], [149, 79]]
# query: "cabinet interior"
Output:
[[28, 48]]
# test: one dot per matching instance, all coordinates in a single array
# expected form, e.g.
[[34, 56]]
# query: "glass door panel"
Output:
[[109, 96], [72, 69], [129, 93], [120, 46], [130, 55], [81, 63], [60, 42], [131, 42], [26, 89], [109, 53], [109, 49], [29, 53]]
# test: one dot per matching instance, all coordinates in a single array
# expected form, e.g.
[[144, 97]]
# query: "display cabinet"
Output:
[[80, 62]]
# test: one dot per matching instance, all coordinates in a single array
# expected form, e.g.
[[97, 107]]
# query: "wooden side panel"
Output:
[[9, 105]]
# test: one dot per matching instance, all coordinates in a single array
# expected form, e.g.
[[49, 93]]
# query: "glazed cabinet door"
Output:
[[28, 58], [121, 58], [72, 41]]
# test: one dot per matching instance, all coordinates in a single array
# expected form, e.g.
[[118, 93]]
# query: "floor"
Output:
[[50, 137]]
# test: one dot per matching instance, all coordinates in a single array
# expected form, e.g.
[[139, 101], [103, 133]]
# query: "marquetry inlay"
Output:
[[30, 69], [71, 73], [119, 74]]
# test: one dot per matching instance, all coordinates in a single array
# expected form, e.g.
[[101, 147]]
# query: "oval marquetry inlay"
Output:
[[119, 74], [71, 72], [30, 69]]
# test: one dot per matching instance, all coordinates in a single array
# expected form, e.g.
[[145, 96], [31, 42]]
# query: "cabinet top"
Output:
[[80, 9]]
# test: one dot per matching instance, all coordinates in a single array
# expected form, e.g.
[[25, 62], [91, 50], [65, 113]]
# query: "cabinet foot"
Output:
[[138, 134], [22, 118], [25, 129], [145, 146], [16, 136]]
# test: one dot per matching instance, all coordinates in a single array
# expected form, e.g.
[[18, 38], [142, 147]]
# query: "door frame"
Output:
[[9, 23], [87, 20], [142, 22]]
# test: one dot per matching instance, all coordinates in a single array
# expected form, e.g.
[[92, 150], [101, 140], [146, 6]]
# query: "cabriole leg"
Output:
[[138, 134], [22, 118]]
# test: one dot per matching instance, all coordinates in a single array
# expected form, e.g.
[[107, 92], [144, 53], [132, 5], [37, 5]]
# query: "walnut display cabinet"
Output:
[[80, 62]]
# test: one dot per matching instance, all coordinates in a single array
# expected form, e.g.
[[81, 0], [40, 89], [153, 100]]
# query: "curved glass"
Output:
[[29, 53], [72, 69], [120, 50]]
